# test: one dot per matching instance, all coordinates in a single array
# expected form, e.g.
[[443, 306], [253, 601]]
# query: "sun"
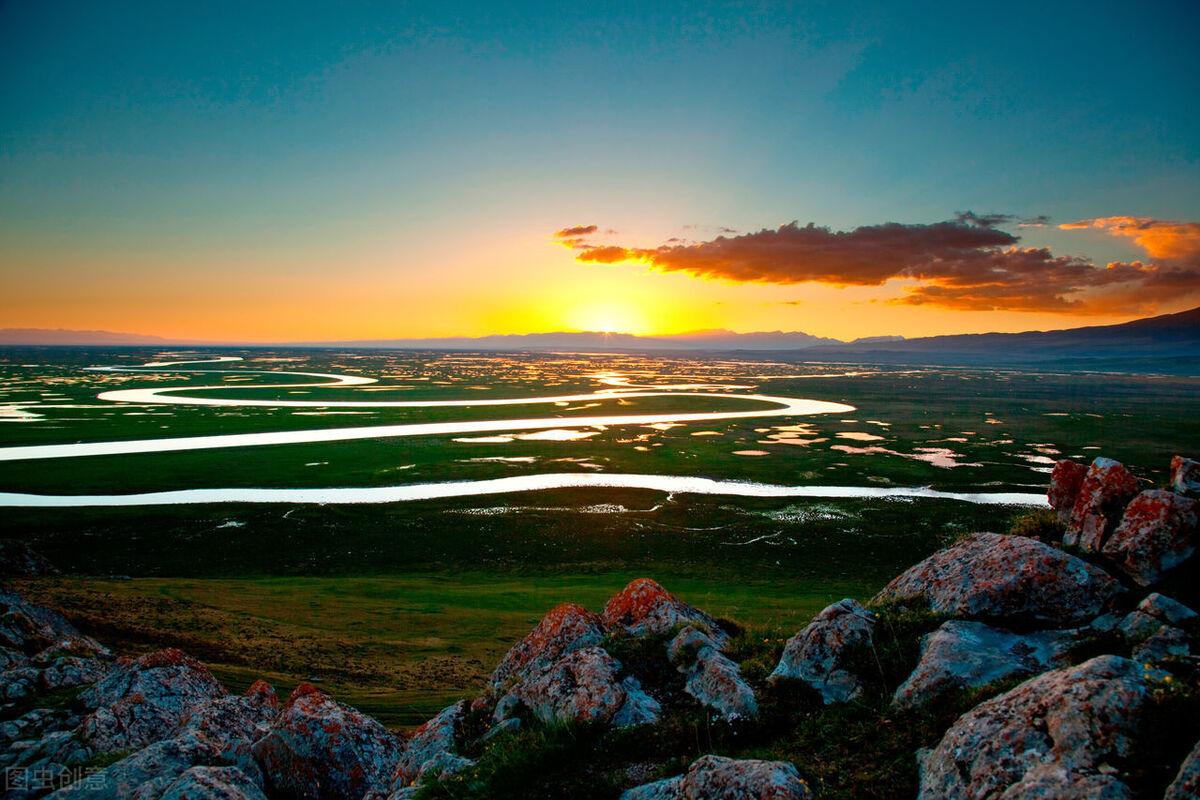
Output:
[[607, 317]]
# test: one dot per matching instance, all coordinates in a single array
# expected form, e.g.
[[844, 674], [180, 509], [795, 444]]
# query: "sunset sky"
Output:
[[257, 171]]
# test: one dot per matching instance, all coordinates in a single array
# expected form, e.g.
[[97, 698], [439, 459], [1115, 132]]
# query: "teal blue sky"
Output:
[[393, 143]]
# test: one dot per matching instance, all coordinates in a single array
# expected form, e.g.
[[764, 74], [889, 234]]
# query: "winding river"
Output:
[[620, 388]]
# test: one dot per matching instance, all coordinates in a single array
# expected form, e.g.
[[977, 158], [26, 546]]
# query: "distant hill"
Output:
[[1172, 340], [60, 336], [594, 341]]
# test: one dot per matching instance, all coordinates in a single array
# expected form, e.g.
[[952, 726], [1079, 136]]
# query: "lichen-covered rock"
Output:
[[711, 677], [1007, 579], [584, 686], [318, 748], [565, 629], [145, 699], [1105, 490], [717, 777], [1065, 480], [233, 723], [1054, 782], [963, 654], [820, 654], [1166, 642], [1153, 612], [213, 783], [645, 607], [31, 629], [1185, 476], [147, 772], [1157, 533], [1186, 785], [435, 737], [1081, 719]]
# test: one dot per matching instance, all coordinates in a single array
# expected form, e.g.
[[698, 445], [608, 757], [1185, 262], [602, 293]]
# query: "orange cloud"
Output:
[[1157, 238], [967, 263]]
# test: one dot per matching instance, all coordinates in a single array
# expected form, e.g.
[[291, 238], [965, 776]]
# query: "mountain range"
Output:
[[1170, 342]]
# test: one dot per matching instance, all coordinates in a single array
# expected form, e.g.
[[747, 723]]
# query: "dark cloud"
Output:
[[576, 231], [965, 263]]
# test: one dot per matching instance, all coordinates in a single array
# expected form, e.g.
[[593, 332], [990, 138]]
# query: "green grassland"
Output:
[[401, 608]]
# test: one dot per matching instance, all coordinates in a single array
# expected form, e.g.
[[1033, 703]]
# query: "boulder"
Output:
[[1055, 782], [820, 655], [431, 740], [963, 655], [1065, 480], [583, 686], [144, 700], [146, 773], [1186, 785], [718, 777], [1157, 533], [1185, 476], [1166, 642], [710, 677], [1105, 490], [1066, 728], [565, 629], [318, 748], [213, 783], [233, 723], [30, 628], [644, 607], [1008, 579], [1154, 611]]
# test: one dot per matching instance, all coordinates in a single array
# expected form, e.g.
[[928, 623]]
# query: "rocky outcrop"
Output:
[[19, 560], [1186, 785], [717, 777], [1006, 579], [145, 699], [565, 629], [644, 607], [1066, 730], [1105, 490], [821, 654], [1185, 477], [1065, 480], [713, 679], [319, 748], [585, 686], [962, 655], [213, 783], [430, 742], [1157, 533], [1154, 611]]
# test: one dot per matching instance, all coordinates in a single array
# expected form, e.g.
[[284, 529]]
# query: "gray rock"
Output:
[[644, 607], [1157, 534], [584, 686], [145, 700], [1186, 785], [1105, 490], [30, 628], [565, 629], [962, 654], [1185, 476], [154, 767], [1153, 612], [213, 783], [717, 777], [1080, 720], [433, 739], [1006, 579], [711, 678], [1166, 642], [819, 654], [320, 748]]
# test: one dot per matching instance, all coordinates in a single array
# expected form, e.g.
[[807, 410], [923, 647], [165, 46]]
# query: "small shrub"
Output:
[[1042, 524]]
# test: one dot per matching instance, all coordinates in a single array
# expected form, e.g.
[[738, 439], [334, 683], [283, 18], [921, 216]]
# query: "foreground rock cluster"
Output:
[[1078, 628]]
